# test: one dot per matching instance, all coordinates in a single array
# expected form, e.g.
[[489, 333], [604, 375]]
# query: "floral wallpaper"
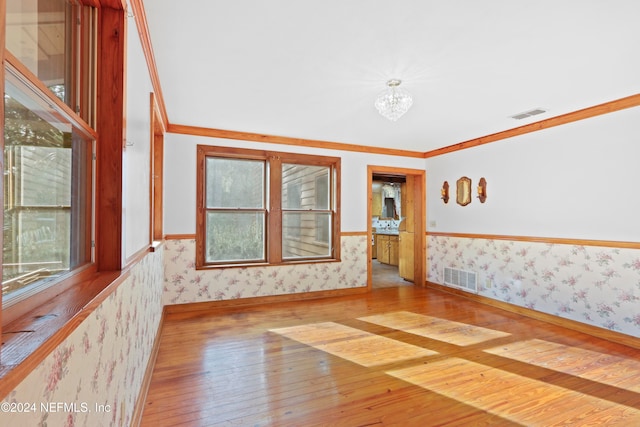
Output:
[[93, 378], [184, 284], [599, 286]]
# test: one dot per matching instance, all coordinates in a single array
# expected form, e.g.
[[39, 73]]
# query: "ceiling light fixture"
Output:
[[393, 102]]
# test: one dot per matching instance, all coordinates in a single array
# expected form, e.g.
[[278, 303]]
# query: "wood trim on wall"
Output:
[[193, 236], [140, 17], [353, 233], [585, 113], [180, 236], [574, 325], [607, 107], [550, 240], [270, 299], [156, 167], [285, 140], [111, 128]]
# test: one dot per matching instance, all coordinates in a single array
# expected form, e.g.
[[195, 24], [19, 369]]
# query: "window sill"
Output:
[[29, 339]]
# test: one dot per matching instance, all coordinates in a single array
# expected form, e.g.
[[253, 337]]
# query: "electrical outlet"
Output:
[[487, 283], [432, 224]]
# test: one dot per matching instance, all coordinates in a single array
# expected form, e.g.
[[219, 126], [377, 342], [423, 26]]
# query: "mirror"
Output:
[[388, 208], [386, 198], [463, 191]]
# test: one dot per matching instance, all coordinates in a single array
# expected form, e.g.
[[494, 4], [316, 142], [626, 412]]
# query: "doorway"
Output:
[[401, 235]]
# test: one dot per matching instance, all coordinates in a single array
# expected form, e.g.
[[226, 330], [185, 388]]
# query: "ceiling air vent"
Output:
[[530, 113]]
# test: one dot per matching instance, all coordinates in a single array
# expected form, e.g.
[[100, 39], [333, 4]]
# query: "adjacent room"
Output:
[[285, 213]]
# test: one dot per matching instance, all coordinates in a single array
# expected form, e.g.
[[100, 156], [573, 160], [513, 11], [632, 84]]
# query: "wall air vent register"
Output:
[[466, 280]]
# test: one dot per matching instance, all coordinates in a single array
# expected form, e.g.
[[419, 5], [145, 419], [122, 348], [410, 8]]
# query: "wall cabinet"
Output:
[[387, 250]]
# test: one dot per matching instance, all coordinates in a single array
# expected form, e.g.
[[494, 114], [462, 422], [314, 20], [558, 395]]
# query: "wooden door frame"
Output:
[[420, 242]]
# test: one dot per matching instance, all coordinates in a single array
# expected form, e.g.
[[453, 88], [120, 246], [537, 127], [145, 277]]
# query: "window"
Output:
[[310, 215], [55, 40], [235, 210], [258, 207], [50, 57], [47, 186]]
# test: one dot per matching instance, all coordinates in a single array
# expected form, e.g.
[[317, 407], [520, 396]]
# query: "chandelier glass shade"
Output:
[[393, 102]]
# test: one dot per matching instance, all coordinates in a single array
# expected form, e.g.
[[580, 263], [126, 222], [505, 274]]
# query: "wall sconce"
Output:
[[482, 190], [445, 192]]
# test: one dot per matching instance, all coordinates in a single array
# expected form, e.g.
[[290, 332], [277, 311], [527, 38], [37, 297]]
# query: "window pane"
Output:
[[313, 191], [306, 244], [291, 224], [305, 191], [322, 191], [323, 227], [44, 36], [235, 237], [234, 183], [46, 187], [292, 199]]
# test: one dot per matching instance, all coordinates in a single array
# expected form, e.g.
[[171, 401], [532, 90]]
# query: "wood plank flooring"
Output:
[[403, 356]]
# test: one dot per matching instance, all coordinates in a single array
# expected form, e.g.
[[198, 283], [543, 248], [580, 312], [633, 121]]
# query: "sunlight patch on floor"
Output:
[[435, 328], [604, 368], [357, 346], [514, 397]]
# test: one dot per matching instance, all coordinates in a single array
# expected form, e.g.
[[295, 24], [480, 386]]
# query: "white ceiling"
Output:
[[312, 69]]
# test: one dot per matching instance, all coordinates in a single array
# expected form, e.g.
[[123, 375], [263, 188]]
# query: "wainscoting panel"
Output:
[[185, 284], [94, 377], [595, 285]]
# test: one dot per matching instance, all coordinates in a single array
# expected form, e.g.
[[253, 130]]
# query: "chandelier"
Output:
[[393, 102]]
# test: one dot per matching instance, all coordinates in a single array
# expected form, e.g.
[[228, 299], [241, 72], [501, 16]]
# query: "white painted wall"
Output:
[[180, 179], [136, 157], [578, 180]]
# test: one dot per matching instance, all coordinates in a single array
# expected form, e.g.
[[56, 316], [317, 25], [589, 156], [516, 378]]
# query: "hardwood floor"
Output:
[[402, 356]]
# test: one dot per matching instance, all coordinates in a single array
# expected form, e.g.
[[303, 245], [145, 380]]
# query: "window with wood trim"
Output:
[[47, 149], [47, 192], [310, 215], [260, 207]]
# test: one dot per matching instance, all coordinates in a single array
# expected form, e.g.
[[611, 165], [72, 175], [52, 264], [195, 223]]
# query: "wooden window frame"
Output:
[[273, 183], [157, 131], [55, 285], [54, 313]]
